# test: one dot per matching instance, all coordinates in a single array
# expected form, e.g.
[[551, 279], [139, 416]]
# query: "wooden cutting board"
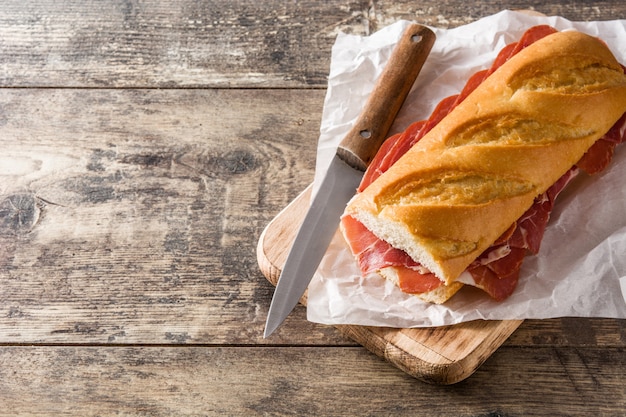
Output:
[[440, 355]]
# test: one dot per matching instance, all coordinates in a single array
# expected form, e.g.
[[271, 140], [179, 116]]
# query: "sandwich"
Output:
[[462, 197]]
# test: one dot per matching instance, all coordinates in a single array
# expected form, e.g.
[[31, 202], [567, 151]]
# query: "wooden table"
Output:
[[145, 145]]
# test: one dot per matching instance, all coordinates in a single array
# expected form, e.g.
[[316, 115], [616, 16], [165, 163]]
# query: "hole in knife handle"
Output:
[[416, 38], [365, 134]]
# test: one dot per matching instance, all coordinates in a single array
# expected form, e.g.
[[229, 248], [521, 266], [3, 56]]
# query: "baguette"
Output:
[[478, 170]]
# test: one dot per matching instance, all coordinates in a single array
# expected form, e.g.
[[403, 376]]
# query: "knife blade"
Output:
[[353, 155]]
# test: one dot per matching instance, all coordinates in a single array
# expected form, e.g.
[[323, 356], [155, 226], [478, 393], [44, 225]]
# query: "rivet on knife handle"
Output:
[[360, 145]]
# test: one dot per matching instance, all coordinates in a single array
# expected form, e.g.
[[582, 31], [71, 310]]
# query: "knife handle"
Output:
[[360, 145]]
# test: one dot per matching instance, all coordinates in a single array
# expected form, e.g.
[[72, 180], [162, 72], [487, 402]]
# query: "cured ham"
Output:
[[496, 271], [373, 254], [391, 150], [599, 155]]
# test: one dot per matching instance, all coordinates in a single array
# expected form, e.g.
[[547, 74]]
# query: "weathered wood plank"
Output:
[[132, 216], [185, 381], [222, 43], [570, 332], [166, 44]]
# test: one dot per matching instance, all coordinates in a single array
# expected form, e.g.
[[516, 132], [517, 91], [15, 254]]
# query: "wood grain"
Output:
[[150, 142], [129, 216], [288, 381], [221, 43], [125, 243]]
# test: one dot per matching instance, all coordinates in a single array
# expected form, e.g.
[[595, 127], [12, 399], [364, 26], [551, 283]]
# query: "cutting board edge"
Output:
[[442, 371]]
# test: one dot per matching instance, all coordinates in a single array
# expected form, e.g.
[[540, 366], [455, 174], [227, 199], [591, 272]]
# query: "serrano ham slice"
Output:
[[391, 150], [599, 155], [374, 254], [496, 271]]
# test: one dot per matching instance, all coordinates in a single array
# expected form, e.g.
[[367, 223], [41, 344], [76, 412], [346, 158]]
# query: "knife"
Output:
[[353, 155]]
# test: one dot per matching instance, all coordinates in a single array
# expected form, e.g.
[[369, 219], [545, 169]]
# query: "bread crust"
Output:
[[475, 173]]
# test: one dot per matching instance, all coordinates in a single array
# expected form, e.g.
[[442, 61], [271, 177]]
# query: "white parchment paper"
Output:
[[581, 267]]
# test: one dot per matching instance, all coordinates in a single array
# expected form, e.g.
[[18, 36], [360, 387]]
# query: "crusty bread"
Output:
[[464, 183]]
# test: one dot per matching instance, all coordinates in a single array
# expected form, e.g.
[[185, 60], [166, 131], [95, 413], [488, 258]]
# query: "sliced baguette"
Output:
[[464, 183]]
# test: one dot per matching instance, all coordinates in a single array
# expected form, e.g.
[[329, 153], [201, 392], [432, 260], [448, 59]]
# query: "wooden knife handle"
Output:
[[360, 145]]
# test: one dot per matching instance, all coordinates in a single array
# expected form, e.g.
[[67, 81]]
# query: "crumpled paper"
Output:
[[581, 267]]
